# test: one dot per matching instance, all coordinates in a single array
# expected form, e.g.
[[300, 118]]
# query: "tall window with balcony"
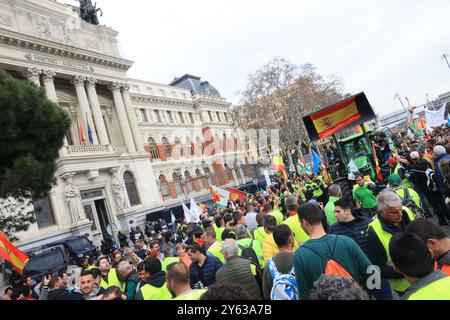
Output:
[[164, 187], [166, 146], [44, 213], [178, 148], [189, 183], [203, 183], [153, 148], [177, 184], [130, 185]]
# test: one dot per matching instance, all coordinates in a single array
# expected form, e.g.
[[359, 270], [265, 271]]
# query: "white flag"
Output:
[[195, 210], [188, 214], [224, 197], [352, 168]]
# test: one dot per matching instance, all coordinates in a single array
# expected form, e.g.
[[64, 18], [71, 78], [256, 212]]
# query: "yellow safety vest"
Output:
[[405, 182], [169, 260], [216, 250], [437, 290], [113, 280], [413, 194], [150, 292], [259, 234], [191, 295], [219, 232], [256, 246], [300, 235], [399, 285], [324, 182], [278, 215]]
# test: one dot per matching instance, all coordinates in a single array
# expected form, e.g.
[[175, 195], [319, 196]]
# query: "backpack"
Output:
[[411, 205], [431, 179], [249, 254], [332, 268], [284, 285]]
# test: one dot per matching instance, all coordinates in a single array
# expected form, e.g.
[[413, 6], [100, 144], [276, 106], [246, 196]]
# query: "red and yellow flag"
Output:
[[236, 194], [336, 117], [12, 254], [278, 163], [81, 130]]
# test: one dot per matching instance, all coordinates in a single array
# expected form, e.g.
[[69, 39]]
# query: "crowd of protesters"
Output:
[[305, 238]]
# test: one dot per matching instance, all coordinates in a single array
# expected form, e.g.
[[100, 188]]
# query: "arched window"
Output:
[[166, 146], [202, 179], [177, 184], [164, 187], [178, 147], [189, 185], [130, 185], [153, 148], [229, 173]]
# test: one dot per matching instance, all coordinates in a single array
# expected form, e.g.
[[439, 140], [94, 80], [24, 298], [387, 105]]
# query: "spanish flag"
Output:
[[278, 165], [12, 254], [335, 118], [351, 111]]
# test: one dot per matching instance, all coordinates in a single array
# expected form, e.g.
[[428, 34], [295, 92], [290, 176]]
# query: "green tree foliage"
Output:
[[32, 129]]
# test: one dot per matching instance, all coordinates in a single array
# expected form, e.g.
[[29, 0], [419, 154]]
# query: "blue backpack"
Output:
[[284, 284]]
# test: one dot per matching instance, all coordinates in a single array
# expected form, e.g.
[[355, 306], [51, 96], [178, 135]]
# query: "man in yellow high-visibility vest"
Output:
[[411, 257], [392, 217]]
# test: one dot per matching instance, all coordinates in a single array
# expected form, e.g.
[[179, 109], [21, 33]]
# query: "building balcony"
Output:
[[89, 150]]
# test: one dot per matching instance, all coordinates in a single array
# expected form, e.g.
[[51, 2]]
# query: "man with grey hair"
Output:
[[439, 154], [128, 274], [337, 288], [238, 270], [335, 193], [392, 217], [245, 241]]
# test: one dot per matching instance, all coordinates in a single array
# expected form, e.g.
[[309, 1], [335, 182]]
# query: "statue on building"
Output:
[[73, 198], [118, 190], [88, 12]]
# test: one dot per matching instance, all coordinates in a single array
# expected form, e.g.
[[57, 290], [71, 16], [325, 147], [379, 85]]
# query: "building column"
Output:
[[33, 75], [96, 111], [49, 85], [83, 101], [122, 115]]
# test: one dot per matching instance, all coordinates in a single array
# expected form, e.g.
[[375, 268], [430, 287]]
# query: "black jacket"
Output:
[[207, 273], [356, 229], [62, 294], [376, 252], [419, 179], [157, 279]]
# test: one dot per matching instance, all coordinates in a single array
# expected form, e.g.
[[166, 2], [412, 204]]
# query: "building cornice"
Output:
[[154, 101], [37, 45]]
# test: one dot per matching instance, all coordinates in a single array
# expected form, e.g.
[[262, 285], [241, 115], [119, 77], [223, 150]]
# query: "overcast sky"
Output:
[[380, 47]]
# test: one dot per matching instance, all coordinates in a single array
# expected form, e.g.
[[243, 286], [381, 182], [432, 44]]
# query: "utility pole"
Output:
[[445, 57]]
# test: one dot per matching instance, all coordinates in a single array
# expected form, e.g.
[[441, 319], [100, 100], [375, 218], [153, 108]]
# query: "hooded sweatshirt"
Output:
[[96, 291]]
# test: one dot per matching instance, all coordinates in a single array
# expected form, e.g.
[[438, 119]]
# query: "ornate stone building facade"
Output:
[[141, 132]]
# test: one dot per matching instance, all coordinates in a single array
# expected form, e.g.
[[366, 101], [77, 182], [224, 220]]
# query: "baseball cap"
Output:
[[394, 180]]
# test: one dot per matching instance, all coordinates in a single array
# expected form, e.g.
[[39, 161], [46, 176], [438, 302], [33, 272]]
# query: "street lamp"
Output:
[[445, 57]]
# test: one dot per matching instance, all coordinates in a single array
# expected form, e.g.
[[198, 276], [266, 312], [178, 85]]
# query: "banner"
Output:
[[195, 209], [266, 175], [351, 111], [435, 118], [12, 254]]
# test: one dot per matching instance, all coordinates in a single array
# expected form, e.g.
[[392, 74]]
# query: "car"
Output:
[[77, 247], [42, 259]]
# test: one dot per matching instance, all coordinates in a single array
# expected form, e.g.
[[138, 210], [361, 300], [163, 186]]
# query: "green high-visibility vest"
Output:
[[169, 260], [317, 192], [150, 292], [259, 234], [324, 182], [399, 285], [191, 295], [278, 215], [216, 250], [437, 290], [113, 280], [256, 245]]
